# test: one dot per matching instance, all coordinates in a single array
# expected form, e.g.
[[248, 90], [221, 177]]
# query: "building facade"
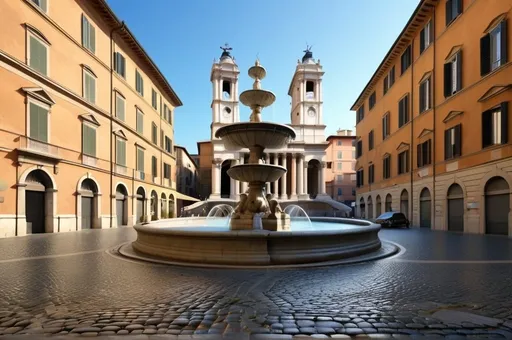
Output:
[[304, 158], [187, 176], [86, 130], [432, 122], [340, 175]]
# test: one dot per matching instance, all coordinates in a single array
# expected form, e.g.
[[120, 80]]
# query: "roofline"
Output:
[[129, 37], [202, 142], [337, 136], [185, 149], [375, 74]]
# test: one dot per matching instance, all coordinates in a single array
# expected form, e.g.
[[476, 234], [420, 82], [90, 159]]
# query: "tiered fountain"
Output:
[[259, 233]]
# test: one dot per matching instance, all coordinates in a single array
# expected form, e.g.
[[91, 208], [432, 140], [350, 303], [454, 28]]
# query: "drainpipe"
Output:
[[434, 118], [118, 28], [410, 198]]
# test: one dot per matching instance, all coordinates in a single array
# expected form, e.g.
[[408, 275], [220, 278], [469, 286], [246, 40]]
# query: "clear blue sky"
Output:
[[350, 37]]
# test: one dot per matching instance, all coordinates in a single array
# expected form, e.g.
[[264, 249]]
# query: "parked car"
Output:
[[392, 219]]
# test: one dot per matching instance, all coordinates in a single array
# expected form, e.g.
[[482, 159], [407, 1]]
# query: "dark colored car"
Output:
[[392, 219]]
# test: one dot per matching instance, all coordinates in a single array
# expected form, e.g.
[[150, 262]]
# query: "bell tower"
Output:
[[306, 91], [224, 78]]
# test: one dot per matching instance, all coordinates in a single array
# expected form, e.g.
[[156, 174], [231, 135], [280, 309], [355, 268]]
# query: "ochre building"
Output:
[[432, 122], [86, 126]]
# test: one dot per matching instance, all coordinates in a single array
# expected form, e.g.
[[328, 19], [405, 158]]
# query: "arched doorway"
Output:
[[455, 199], [497, 206], [425, 209], [225, 180], [370, 208], [313, 172], [39, 202], [121, 205], [139, 208], [389, 201], [378, 208], [163, 206], [362, 208], [89, 203], [404, 203], [154, 205], [171, 206]]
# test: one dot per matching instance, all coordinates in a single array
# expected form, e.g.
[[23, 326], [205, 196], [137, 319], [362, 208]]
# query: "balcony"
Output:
[[89, 160], [120, 169], [34, 148]]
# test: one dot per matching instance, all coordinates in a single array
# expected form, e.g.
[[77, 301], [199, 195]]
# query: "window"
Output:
[[453, 75], [38, 54], [88, 140], [120, 152], [339, 165], [353, 191], [168, 144], [167, 114], [329, 165], [154, 99], [495, 126], [139, 83], [226, 89], [140, 121], [339, 178], [310, 89], [389, 80], [88, 35], [140, 162], [452, 142], [371, 174], [340, 155], [405, 60], [167, 171], [493, 48], [38, 116], [386, 167], [353, 177], [403, 162], [385, 126], [120, 107], [425, 95], [162, 138], [353, 166], [425, 37], [120, 64], [424, 153], [154, 134], [339, 192], [338, 143], [372, 100], [360, 178], [41, 4], [360, 114], [89, 86], [370, 140], [403, 111], [453, 9], [154, 167], [359, 148]]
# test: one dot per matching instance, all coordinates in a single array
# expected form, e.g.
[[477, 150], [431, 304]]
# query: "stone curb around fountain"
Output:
[[387, 249]]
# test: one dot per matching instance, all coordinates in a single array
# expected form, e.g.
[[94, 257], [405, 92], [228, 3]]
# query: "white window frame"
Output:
[[84, 72], [44, 106], [29, 34], [496, 126], [39, 6], [495, 44]]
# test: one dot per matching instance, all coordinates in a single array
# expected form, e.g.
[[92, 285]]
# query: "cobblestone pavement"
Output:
[[69, 284]]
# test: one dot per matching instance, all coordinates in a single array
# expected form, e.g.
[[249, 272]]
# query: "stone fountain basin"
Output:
[[191, 241], [259, 97], [256, 172], [264, 134]]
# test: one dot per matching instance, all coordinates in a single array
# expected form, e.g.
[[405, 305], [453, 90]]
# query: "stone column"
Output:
[[267, 161], [216, 163], [293, 191], [284, 195], [321, 180], [244, 184], [305, 177], [300, 176], [276, 183]]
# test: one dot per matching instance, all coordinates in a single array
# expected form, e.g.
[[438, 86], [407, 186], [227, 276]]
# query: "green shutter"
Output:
[[38, 56], [92, 39], [34, 118], [43, 5], [120, 108], [38, 123], [121, 152], [85, 31], [140, 160], [89, 140], [92, 89]]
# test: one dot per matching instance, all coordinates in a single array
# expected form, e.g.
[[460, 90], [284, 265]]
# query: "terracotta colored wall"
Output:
[[346, 171]]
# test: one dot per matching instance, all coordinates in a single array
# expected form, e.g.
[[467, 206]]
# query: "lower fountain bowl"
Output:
[[256, 172]]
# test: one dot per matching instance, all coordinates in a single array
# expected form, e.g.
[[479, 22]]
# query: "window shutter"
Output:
[[447, 80], [448, 12], [486, 128], [504, 122], [429, 151], [84, 30], [362, 177], [458, 141], [447, 145], [92, 90], [485, 55], [400, 113], [422, 96], [422, 40], [459, 70], [93, 142], [406, 109], [504, 47], [392, 75], [92, 38], [419, 156], [43, 125], [44, 5], [385, 84]]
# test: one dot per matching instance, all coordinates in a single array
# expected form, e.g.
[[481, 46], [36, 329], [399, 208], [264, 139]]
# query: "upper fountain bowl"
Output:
[[257, 97], [247, 135]]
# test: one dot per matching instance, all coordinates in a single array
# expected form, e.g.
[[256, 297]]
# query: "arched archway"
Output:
[[388, 203], [154, 205], [497, 206], [140, 210], [369, 208], [121, 205], [314, 167], [40, 201], [404, 203], [225, 180], [171, 206], [378, 207], [455, 205], [425, 209], [88, 204], [163, 206], [362, 208]]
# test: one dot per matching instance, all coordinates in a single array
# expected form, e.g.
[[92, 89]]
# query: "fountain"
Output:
[[258, 232]]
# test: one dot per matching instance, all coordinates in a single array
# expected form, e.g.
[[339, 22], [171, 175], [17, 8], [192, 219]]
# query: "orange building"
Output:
[[86, 130], [340, 175], [432, 122]]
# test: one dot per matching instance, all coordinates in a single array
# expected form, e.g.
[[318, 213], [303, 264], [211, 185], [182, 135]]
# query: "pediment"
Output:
[[425, 76], [424, 133], [453, 51], [140, 146], [90, 118], [89, 69], [386, 155], [451, 115], [37, 32], [119, 133], [494, 91], [403, 146], [39, 94], [495, 22]]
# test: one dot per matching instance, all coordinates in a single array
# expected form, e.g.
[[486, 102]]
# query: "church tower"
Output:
[[306, 91], [224, 78]]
